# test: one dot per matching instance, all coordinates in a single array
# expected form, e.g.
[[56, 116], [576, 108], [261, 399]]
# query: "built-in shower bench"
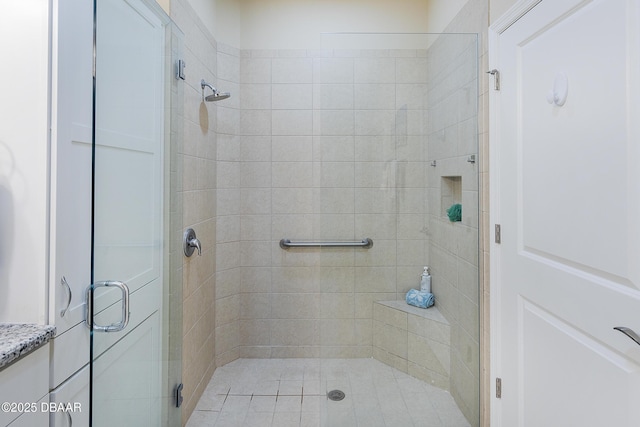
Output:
[[414, 340]]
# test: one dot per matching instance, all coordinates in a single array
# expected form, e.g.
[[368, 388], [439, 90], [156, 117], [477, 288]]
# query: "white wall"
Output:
[[441, 13], [297, 24], [220, 17], [206, 11], [227, 28], [24, 28]]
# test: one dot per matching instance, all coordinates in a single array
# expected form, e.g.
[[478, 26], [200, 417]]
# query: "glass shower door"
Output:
[[394, 146], [126, 296]]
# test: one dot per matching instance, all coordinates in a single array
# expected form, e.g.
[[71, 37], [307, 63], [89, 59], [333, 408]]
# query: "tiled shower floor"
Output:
[[292, 392]]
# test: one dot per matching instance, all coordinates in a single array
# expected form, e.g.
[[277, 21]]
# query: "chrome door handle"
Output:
[[114, 327], [64, 283], [628, 332]]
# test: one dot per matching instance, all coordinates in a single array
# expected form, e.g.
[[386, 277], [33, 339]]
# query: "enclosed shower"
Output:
[[335, 171]]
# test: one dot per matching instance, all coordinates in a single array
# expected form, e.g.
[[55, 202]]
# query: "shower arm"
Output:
[[204, 84]]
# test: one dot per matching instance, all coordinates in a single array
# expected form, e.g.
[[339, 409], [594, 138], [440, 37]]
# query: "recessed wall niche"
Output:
[[450, 192]]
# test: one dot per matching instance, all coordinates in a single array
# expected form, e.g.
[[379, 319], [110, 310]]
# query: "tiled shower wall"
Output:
[[229, 207], [453, 138], [198, 180], [474, 17], [332, 148]]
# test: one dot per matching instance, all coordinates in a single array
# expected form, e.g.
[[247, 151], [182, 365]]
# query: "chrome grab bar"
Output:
[[114, 327], [364, 243]]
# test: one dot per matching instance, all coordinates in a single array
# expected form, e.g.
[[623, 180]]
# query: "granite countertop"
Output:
[[19, 339]]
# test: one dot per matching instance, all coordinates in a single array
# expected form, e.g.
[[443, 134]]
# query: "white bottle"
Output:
[[425, 280]]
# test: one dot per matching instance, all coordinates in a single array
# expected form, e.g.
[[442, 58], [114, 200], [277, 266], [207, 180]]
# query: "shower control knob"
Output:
[[191, 243]]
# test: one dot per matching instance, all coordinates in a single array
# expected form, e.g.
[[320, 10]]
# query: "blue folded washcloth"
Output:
[[420, 299]]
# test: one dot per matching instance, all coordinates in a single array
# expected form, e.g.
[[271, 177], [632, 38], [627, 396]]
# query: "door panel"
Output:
[[128, 208], [142, 305], [602, 377], [72, 86], [128, 379], [75, 390], [566, 182], [128, 152], [65, 362], [39, 418], [558, 205]]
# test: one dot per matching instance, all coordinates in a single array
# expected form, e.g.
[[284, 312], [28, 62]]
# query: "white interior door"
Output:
[[566, 191], [127, 242]]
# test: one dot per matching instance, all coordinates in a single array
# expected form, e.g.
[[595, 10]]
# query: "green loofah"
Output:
[[455, 212]]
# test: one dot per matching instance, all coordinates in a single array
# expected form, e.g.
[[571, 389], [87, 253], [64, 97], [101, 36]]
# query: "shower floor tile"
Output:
[[293, 392]]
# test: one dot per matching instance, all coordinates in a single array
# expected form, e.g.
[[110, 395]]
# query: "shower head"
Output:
[[215, 96]]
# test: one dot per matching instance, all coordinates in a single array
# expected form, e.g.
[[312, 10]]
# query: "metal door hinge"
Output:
[[499, 388], [180, 69], [498, 234], [496, 78], [178, 395]]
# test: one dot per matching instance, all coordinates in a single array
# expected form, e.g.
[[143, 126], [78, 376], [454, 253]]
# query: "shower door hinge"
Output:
[[499, 388], [180, 69], [496, 78], [178, 395], [498, 234]]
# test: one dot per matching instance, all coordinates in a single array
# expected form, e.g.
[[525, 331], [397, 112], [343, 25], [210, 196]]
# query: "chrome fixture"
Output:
[[180, 69], [191, 243], [496, 81], [216, 96], [64, 283], [336, 395], [114, 327], [364, 243], [629, 332], [471, 158]]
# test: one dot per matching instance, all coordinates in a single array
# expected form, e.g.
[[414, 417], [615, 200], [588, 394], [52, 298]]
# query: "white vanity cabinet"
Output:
[[75, 393], [25, 382], [36, 419], [71, 157], [71, 162], [70, 227]]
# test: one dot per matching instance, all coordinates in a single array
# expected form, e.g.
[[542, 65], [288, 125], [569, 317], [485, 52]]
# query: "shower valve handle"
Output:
[[195, 243], [191, 243]]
